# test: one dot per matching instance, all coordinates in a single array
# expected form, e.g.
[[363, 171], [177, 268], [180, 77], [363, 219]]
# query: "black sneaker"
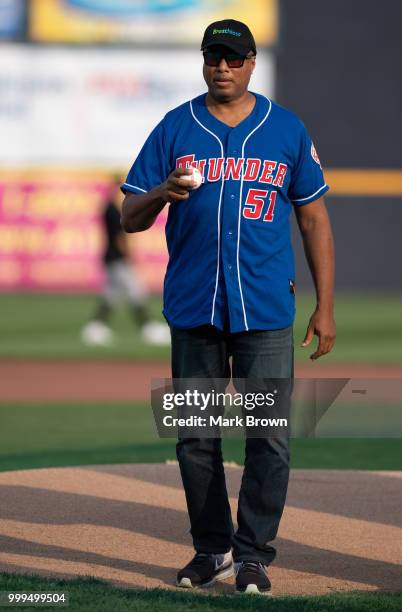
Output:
[[251, 577], [204, 569]]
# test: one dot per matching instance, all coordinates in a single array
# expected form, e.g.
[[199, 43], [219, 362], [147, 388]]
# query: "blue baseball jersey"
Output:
[[229, 243]]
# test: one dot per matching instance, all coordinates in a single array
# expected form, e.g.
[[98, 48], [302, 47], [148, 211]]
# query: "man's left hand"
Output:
[[321, 324]]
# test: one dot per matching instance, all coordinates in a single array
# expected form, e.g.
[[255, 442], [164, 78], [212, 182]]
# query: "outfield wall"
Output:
[[70, 120], [338, 67], [83, 112]]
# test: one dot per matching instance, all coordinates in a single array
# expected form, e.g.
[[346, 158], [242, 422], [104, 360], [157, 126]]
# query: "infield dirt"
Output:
[[55, 381], [341, 530]]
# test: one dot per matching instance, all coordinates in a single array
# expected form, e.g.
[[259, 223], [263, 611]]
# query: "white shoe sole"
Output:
[[156, 333], [185, 583], [96, 333], [252, 589]]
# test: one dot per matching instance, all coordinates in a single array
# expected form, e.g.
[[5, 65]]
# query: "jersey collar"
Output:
[[221, 129]]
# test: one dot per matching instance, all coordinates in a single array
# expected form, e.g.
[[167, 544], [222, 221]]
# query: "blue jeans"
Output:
[[204, 352]]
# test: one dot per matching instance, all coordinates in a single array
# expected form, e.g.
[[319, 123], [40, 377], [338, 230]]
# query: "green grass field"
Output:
[[92, 595], [47, 326], [35, 436], [62, 434]]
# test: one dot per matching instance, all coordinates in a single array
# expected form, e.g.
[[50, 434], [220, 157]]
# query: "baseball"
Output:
[[195, 176]]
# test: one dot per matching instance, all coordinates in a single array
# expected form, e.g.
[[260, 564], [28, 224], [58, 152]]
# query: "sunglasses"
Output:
[[233, 60]]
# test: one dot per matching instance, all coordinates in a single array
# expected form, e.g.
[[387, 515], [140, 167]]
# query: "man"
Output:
[[229, 287], [121, 282]]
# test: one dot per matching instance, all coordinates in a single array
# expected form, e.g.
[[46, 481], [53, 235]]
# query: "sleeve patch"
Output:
[[314, 155]]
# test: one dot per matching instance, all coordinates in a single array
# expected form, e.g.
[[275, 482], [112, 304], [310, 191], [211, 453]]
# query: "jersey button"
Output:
[[232, 197], [230, 266], [230, 233]]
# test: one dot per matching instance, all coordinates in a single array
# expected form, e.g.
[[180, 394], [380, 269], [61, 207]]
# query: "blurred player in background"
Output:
[[122, 283]]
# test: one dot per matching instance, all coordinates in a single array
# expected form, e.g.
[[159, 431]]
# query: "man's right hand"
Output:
[[141, 209], [175, 188]]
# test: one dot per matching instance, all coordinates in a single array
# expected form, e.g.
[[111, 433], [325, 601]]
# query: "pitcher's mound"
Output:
[[128, 524]]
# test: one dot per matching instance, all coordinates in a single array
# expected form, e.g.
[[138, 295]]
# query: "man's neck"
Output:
[[231, 112]]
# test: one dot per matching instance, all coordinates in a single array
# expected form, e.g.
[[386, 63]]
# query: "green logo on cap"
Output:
[[226, 31]]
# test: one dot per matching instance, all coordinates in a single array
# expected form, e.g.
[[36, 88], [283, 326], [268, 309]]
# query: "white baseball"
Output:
[[195, 176]]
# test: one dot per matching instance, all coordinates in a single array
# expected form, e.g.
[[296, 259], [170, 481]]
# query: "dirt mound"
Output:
[[341, 530]]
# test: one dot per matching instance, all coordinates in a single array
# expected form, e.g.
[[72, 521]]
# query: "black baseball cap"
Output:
[[232, 34]]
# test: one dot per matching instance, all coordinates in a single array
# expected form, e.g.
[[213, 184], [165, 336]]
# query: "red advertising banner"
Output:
[[51, 235]]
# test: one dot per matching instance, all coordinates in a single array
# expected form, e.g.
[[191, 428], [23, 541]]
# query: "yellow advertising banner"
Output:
[[156, 22]]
